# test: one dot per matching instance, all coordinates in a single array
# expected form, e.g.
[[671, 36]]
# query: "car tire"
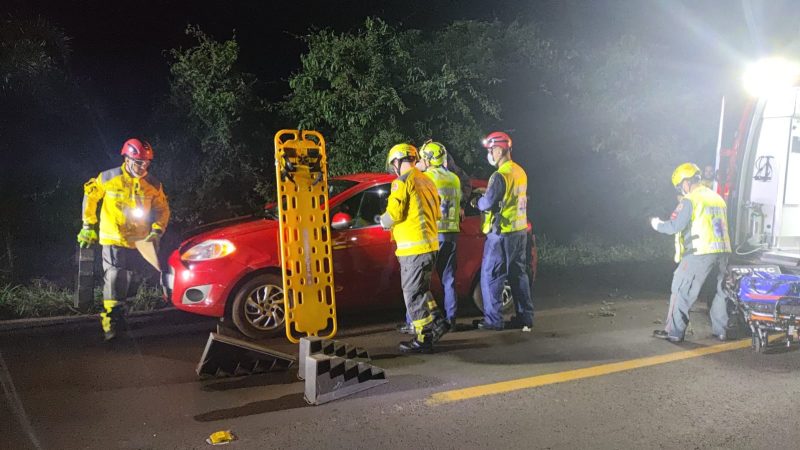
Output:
[[258, 310], [508, 299]]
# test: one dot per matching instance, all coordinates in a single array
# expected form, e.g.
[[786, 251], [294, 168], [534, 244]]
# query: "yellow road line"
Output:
[[577, 374]]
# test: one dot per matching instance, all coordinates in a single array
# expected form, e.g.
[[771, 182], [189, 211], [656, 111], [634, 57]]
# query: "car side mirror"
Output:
[[341, 220]]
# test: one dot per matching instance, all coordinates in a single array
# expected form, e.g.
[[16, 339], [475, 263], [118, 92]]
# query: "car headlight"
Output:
[[210, 249]]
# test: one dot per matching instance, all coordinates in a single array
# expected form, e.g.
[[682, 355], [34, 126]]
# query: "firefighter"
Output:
[[433, 157], [412, 213], [506, 227], [134, 208], [700, 226]]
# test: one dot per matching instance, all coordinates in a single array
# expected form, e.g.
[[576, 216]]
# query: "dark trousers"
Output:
[[504, 260], [122, 269], [446, 269], [415, 278]]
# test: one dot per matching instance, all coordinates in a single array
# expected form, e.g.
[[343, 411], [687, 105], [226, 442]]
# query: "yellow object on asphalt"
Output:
[[221, 437]]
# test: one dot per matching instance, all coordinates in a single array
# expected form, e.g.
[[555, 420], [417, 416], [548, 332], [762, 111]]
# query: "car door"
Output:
[[365, 268]]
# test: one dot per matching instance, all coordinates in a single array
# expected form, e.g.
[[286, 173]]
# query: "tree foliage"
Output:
[[370, 89], [210, 149], [31, 51], [640, 118], [37, 105]]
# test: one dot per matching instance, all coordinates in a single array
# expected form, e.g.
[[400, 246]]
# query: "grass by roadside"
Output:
[[587, 250], [42, 298]]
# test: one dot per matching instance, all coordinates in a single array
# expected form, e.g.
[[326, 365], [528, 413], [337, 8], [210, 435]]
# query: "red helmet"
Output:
[[497, 138], [136, 149]]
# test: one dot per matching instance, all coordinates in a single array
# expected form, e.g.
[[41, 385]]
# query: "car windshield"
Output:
[[335, 187]]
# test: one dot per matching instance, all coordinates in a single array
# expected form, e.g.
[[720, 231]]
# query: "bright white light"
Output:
[[770, 75], [138, 213]]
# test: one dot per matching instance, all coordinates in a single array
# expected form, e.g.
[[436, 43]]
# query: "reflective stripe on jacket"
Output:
[[708, 230], [511, 213], [413, 210], [132, 207], [449, 188]]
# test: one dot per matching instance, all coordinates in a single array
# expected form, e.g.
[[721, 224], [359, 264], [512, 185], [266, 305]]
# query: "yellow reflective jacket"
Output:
[[449, 188], [708, 230], [413, 211], [132, 207], [513, 214]]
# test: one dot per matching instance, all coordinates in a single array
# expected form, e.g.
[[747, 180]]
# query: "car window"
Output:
[[349, 206], [365, 207], [373, 204]]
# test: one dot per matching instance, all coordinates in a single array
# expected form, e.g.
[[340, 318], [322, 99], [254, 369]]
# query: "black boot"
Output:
[[415, 346], [439, 328]]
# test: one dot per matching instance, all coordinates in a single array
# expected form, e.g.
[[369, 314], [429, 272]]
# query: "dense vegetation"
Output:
[[598, 125]]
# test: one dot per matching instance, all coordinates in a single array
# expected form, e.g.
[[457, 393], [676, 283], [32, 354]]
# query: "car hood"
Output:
[[232, 231]]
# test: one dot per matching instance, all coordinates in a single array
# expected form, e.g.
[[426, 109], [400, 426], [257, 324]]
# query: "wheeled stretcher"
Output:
[[768, 301]]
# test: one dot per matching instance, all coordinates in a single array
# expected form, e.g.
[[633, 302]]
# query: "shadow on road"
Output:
[[265, 379], [290, 401], [396, 384]]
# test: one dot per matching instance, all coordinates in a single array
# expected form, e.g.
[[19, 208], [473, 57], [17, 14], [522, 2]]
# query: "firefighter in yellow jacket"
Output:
[[700, 226], [134, 208], [412, 213]]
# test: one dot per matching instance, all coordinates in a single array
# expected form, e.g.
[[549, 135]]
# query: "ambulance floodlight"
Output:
[[770, 75]]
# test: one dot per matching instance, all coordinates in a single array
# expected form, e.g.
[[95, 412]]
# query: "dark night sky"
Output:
[[118, 45]]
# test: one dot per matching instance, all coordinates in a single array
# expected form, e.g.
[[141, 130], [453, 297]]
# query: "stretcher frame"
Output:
[[305, 235], [761, 324]]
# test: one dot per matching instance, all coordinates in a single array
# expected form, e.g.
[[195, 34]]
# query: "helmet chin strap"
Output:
[[395, 168]]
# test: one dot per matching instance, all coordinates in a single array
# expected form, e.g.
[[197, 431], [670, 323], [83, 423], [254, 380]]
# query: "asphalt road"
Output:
[[66, 389]]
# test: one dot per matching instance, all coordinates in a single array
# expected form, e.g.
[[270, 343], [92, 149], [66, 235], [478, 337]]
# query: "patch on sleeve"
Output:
[[90, 187], [677, 211], [395, 185]]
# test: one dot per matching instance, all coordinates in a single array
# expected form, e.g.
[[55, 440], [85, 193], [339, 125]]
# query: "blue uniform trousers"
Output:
[[504, 260], [446, 269]]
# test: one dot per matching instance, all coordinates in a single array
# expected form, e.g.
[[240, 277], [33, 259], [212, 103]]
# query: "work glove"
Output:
[[154, 237], [87, 236], [655, 222]]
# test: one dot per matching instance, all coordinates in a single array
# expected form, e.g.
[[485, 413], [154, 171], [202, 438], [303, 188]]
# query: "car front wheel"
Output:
[[508, 300], [258, 310]]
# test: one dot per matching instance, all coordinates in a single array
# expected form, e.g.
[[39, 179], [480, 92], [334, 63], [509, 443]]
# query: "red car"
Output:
[[234, 271]]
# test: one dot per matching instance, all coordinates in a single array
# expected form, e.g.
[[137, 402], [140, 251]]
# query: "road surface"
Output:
[[588, 376]]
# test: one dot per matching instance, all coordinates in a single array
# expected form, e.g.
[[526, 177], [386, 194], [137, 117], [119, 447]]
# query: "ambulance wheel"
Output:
[[760, 341], [258, 309], [508, 300], [756, 343]]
